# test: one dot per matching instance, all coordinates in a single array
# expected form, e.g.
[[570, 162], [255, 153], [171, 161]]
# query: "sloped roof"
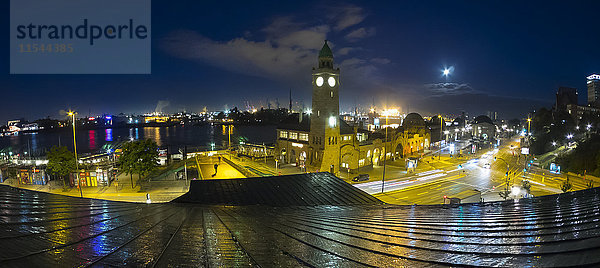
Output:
[[292, 190], [295, 122], [483, 119], [413, 120], [39, 229], [325, 51]]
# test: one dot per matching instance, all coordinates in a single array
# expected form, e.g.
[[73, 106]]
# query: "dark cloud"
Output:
[[449, 88], [360, 33], [345, 51], [347, 16], [286, 51], [380, 60]]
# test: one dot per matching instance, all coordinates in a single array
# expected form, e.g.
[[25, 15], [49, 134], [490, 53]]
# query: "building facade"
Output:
[[593, 86], [565, 96], [484, 129], [323, 141]]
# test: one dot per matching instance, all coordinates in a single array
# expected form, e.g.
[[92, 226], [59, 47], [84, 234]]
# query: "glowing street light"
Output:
[[441, 135], [72, 114], [570, 136], [553, 143], [386, 113], [515, 191]]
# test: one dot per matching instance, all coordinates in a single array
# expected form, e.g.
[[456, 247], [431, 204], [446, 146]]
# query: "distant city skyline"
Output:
[[508, 62]]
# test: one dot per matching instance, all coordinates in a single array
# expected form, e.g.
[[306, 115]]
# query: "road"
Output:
[[470, 181]]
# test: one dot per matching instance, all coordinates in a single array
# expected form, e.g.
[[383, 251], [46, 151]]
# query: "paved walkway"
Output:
[[121, 190]]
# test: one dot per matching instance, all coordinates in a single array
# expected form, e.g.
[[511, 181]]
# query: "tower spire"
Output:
[[325, 57]]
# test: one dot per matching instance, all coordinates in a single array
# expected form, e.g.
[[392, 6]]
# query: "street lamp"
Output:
[[72, 114], [384, 150], [441, 135], [528, 125], [507, 170]]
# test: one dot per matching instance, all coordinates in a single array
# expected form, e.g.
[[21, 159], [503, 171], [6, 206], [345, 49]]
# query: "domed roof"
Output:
[[435, 120], [459, 121], [325, 51], [413, 120], [483, 119]]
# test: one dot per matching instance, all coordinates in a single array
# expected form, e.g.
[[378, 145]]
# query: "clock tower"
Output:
[[325, 120]]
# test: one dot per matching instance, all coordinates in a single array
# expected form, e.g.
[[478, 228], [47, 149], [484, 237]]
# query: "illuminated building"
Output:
[[593, 86], [566, 100], [322, 141], [483, 129], [156, 119]]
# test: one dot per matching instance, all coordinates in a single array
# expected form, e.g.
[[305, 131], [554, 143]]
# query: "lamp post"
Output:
[[229, 137], [72, 114], [507, 170], [384, 151], [441, 137], [528, 126]]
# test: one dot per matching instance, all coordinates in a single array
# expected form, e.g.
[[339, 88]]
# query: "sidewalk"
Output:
[[159, 191]]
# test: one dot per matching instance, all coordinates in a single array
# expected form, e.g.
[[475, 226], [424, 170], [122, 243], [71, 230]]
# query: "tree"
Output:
[[566, 185], [139, 157], [61, 162]]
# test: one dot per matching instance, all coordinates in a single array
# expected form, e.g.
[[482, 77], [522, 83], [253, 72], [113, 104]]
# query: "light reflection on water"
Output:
[[108, 134], [173, 136], [92, 139]]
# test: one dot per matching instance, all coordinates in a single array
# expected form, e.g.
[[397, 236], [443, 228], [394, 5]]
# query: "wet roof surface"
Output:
[[40, 230], [310, 189]]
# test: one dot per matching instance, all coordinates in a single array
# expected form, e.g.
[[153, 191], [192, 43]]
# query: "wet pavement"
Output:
[[46, 230]]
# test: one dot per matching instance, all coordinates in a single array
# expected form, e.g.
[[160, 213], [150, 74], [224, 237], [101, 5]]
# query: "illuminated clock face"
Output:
[[331, 81], [319, 81]]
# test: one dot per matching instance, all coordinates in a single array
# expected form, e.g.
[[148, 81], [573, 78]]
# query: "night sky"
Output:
[[508, 57]]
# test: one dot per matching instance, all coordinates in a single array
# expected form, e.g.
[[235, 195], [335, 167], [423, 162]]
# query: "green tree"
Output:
[[566, 185], [139, 157], [61, 162]]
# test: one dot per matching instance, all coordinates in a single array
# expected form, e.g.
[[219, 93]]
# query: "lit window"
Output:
[[332, 121], [283, 134], [303, 136], [293, 135]]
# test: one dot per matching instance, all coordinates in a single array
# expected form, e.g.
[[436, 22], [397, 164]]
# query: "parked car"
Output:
[[361, 177]]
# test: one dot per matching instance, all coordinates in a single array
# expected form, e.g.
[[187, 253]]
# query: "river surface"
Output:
[[172, 138]]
